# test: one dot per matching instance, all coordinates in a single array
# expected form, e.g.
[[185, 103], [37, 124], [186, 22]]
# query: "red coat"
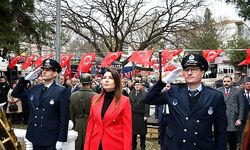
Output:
[[114, 130]]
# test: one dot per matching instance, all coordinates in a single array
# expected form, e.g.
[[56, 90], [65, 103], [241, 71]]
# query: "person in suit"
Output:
[[162, 114], [197, 118], [80, 102], [49, 108], [74, 85], [235, 107], [246, 93], [110, 120], [140, 113]]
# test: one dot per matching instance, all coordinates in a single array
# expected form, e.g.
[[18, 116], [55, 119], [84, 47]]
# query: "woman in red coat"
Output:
[[110, 120]]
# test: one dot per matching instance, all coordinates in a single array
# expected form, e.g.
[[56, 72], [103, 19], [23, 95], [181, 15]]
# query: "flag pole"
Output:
[[58, 33], [160, 65]]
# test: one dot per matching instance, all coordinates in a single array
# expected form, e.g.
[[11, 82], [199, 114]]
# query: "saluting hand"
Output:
[[170, 78]]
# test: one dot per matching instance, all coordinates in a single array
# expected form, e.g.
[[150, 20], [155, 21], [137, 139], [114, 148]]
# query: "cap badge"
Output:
[[47, 62], [191, 57]]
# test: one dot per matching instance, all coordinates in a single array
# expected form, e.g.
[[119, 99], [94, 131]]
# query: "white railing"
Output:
[[69, 145]]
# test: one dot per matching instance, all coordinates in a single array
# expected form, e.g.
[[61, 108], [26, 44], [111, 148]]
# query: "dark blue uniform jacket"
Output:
[[49, 113], [192, 129]]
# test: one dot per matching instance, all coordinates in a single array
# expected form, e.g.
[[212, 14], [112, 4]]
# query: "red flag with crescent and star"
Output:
[[110, 58], [210, 55], [28, 62], [169, 67], [66, 64], [168, 54], [86, 62], [65, 59], [141, 57], [246, 61], [40, 60], [14, 60]]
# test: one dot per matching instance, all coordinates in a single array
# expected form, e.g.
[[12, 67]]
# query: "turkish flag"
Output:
[[65, 59], [210, 55], [244, 62], [141, 57], [110, 57], [28, 62], [169, 67], [86, 62], [40, 60], [247, 51], [167, 54], [14, 60]]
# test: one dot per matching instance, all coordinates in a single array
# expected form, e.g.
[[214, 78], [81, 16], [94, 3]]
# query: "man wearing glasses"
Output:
[[197, 114], [235, 106]]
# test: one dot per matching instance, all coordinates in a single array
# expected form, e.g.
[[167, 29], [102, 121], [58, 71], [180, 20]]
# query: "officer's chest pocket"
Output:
[[206, 114], [52, 102]]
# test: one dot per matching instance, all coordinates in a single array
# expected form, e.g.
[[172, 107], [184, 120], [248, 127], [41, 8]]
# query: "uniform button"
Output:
[[42, 117], [194, 144], [35, 125], [41, 126], [111, 128], [37, 108], [185, 130], [35, 116], [113, 120], [197, 121], [195, 133], [43, 109], [186, 118], [184, 141]]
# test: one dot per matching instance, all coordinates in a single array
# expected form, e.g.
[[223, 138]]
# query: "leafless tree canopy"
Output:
[[115, 25]]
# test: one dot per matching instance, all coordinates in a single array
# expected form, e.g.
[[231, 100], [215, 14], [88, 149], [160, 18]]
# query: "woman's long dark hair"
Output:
[[118, 86]]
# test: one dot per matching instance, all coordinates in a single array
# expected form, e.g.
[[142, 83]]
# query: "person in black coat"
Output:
[[197, 118], [140, 113], [4, 89], [246, 101], [49, 108]]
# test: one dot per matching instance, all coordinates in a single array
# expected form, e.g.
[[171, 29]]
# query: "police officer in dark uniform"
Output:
[[49, 108], [80, 102], [196, 111]]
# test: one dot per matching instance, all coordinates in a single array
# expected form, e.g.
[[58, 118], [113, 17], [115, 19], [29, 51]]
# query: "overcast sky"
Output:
[[221, 9]]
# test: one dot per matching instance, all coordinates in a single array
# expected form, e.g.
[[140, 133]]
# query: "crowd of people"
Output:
[[110, 112]]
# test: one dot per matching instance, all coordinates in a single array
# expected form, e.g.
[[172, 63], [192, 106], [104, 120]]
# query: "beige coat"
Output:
[[13, 100]]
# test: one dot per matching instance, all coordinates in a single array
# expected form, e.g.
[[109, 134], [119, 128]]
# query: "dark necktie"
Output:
[[44, 90], [247, 96], [193, 93]]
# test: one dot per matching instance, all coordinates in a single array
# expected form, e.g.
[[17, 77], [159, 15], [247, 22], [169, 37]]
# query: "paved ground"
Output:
[[151, 141]]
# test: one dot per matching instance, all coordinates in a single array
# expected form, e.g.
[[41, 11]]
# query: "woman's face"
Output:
[[108, 82]]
